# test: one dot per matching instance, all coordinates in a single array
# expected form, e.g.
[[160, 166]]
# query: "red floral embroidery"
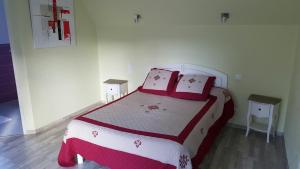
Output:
[[95, 133], [192, 80], [156, 77], [138, 143], [153, 107], [183, 161]]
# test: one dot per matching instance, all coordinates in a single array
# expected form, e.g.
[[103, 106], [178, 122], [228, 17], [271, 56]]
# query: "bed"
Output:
[[148, 131]]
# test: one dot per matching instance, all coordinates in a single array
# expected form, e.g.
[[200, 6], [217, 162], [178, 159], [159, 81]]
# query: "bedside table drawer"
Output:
[[260, 110], [112, 89]]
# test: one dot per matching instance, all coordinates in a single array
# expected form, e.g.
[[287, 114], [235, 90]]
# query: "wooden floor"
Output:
[[231, 151]]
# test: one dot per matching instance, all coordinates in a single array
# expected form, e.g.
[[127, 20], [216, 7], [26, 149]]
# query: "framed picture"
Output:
[[52, 23]]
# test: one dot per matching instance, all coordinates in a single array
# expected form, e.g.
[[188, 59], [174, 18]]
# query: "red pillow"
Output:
[[159, 81], [193, 87]]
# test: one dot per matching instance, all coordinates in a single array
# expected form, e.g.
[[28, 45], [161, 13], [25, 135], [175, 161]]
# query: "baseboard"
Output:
[[278, 133], [28, 132], [69, 117]]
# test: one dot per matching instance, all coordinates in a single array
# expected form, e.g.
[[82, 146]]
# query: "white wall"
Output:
[[3, 26], [53, 82]]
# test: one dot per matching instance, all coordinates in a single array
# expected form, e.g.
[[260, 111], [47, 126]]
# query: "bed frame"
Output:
[[221, 78]]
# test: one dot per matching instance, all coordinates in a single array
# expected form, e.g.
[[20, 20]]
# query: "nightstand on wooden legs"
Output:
[[262, 107]]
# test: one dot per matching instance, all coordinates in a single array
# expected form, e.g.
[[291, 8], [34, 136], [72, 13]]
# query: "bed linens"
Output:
[[160, 128], [159, 82], [149, 113], [193, 87]]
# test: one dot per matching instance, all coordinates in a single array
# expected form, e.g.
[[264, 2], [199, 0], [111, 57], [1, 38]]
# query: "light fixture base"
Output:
[[225, 17], [137, 18]]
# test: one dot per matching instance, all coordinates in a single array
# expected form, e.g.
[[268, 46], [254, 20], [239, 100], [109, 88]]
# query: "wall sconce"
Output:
[[137, 18], [225, 17]]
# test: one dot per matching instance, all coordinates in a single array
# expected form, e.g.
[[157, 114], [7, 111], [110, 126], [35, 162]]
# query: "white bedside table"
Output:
[[115, 87], [263, 107]]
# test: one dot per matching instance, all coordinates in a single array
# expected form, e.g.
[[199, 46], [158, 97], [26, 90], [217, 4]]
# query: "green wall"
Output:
[[256, 45], [292, 125], [259, 42], [263, 55], [52, 82]]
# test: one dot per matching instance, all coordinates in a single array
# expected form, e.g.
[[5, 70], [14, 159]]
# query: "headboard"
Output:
[[221, 78]]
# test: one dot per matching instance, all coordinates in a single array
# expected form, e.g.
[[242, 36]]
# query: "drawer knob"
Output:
[[259, 109], [110, 89]]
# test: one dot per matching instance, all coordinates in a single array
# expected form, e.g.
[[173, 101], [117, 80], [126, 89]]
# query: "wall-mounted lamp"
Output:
[[137, 18], [225, 17]]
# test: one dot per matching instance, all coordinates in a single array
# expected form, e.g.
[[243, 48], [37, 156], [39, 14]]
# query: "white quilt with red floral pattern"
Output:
[[147, 125]]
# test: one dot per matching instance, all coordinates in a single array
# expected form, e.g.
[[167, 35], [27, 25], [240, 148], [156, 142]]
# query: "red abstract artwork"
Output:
[[52, 23]]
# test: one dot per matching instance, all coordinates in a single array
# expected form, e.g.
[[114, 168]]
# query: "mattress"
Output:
[[153, 131]]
